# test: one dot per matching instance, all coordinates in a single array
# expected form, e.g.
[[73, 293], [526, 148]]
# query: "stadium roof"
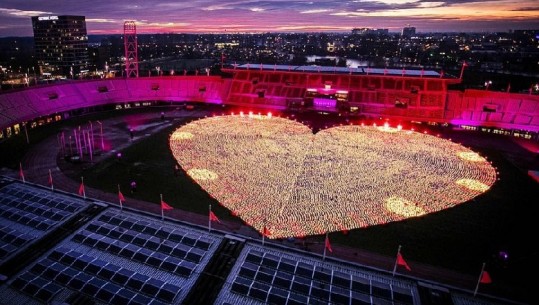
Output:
[[341, 70]]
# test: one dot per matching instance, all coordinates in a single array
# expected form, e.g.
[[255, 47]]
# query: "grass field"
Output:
[[460, 238]]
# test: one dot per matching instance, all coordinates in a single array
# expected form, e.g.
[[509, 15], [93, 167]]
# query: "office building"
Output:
[[61, 44]]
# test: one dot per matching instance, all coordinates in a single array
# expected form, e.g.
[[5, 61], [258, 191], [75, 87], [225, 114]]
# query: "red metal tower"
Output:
[[130, 45]]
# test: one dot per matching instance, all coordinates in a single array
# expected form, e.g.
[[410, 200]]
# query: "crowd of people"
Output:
[[274, 172]]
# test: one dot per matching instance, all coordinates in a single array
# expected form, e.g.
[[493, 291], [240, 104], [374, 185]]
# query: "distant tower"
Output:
[[130, 45], [408, 31]]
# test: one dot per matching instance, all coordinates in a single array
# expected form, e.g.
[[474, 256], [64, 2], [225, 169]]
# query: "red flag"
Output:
[[81, 189], [50, 178], [165, 206], [402, 262], [328, 245], [266, 232], [213, 217], [121, 196], [485, 278]]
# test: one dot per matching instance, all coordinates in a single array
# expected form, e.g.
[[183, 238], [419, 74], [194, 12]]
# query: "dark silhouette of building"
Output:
[[408, 31]]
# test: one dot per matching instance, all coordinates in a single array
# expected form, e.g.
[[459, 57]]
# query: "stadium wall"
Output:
[[431, 103]]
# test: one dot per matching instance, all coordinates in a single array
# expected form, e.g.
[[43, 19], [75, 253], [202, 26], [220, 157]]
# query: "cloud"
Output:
[[101, 20], [316, 11], [22, 13]]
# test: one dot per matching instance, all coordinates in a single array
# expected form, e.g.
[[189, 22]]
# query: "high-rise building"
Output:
[[408, 31], [61, 44]]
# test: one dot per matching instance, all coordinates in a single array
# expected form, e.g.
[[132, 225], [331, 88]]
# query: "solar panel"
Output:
[[122, 296], [76, 283], [193, 257], [341, 279], [177, 237], [264, 277], [203, 244], [403, 296], [108, 271], [104, 295], [164, 248], [152, 243], [95, 266], [139, 226], [258, 294], [38, 268], [380, 289], [140, 299], [168, 292], [126, 223], [320, 293], [287, 266], [277, 296], [114, 248], [322, 275], [305, 272], [114, 233], [282, 282], [270, 262], [381, 301], [128, 251], [189, 240], [163, 233], [155, 260], [169, 264], [137, 280], [151, 286], [106, 217], [253, 258], [340, 295], [149, 230], [122, 275], [53, 270], [46, 292], [90, 288], [360, 298], [183, 271], [297, 299], [65, 276], [179, 252], [239, 287], [139, 240], [247, 273], [300, 288]]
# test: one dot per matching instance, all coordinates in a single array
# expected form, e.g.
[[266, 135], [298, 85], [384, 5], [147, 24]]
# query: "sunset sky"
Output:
[[208, 16]]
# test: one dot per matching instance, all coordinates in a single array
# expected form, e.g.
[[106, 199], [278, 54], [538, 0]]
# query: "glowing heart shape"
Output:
[[275, 172]]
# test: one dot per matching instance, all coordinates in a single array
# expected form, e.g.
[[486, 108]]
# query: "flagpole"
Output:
[[209, 220], [120, 199], [396, 260], [83, 188], [21, 173], [325, 246], [50, 178], [162, 211], [264, 232], [479, 280]]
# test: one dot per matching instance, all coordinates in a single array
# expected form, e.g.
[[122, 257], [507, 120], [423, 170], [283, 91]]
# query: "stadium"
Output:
[[314, 179]]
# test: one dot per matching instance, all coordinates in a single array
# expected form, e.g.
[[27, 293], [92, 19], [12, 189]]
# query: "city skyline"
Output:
[[205, 16]]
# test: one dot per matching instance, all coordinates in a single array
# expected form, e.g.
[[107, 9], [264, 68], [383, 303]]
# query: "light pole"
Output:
[[487, 84], [101, 134]]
